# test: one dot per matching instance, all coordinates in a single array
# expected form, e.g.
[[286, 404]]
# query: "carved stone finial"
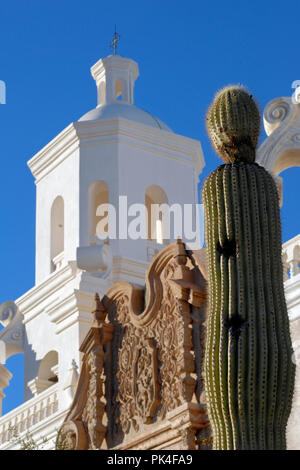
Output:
[[84, 426], [12, 335], [182, 271], [99, 313], [180, 254]]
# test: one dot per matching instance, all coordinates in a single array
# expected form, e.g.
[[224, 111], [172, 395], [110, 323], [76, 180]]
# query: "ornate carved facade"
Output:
[[141, 383]]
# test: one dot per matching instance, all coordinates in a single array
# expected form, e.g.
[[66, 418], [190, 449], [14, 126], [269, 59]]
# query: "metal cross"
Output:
[[115, 41]]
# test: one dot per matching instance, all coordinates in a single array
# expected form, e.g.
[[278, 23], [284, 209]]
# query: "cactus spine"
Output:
[[248, 366]]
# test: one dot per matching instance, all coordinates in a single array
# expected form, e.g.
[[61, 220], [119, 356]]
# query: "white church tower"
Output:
[[114, 150]]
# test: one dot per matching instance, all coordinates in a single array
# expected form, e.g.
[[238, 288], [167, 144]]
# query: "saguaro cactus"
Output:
[[248, 364]]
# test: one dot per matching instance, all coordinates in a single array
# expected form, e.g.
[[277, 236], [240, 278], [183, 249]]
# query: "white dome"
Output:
[[126, 111]]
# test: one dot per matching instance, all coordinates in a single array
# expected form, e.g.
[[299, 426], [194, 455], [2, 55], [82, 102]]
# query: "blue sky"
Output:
[[186, 51]]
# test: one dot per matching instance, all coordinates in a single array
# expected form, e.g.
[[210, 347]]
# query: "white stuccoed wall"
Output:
[[60, 181]]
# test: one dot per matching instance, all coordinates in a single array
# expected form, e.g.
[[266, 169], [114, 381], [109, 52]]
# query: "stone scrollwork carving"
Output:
[[12, 334], [140, 376], [276, 112], [152, 365], [281, 150], [138, 381], [94, 409], [72, 436], [84, 426], [296, 138], [124, 376], [8, 311], [145, 380]]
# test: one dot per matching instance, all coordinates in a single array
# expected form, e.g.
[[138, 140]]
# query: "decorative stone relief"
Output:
[[152, 368], [84, 426], [8, 312], [145, 380], [71, 381], [141, 385], [281, 149], [12, 334]]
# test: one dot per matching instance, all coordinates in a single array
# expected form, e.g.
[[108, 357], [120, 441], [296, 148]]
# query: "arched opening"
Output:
[[57, 233], [101, 94], [287, 159], [154, 197], [119, 91], [98, 224], [290, 203], [48, 371], [289, 220]]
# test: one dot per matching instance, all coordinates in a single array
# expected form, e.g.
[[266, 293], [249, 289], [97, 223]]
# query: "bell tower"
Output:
[[116, 155], [115, 77]]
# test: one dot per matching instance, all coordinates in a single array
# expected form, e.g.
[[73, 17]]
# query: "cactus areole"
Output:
[[249, 373]]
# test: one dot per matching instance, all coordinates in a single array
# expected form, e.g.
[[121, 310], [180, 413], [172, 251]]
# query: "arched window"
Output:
[[98, 196], [57, 232], [154, 197], [119, 91], [48, 371]]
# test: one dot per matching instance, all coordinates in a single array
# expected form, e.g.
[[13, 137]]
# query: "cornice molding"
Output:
[[76, 307], [117, 130], [100, 68], [54, 153], [31, 303], [82, 285]]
